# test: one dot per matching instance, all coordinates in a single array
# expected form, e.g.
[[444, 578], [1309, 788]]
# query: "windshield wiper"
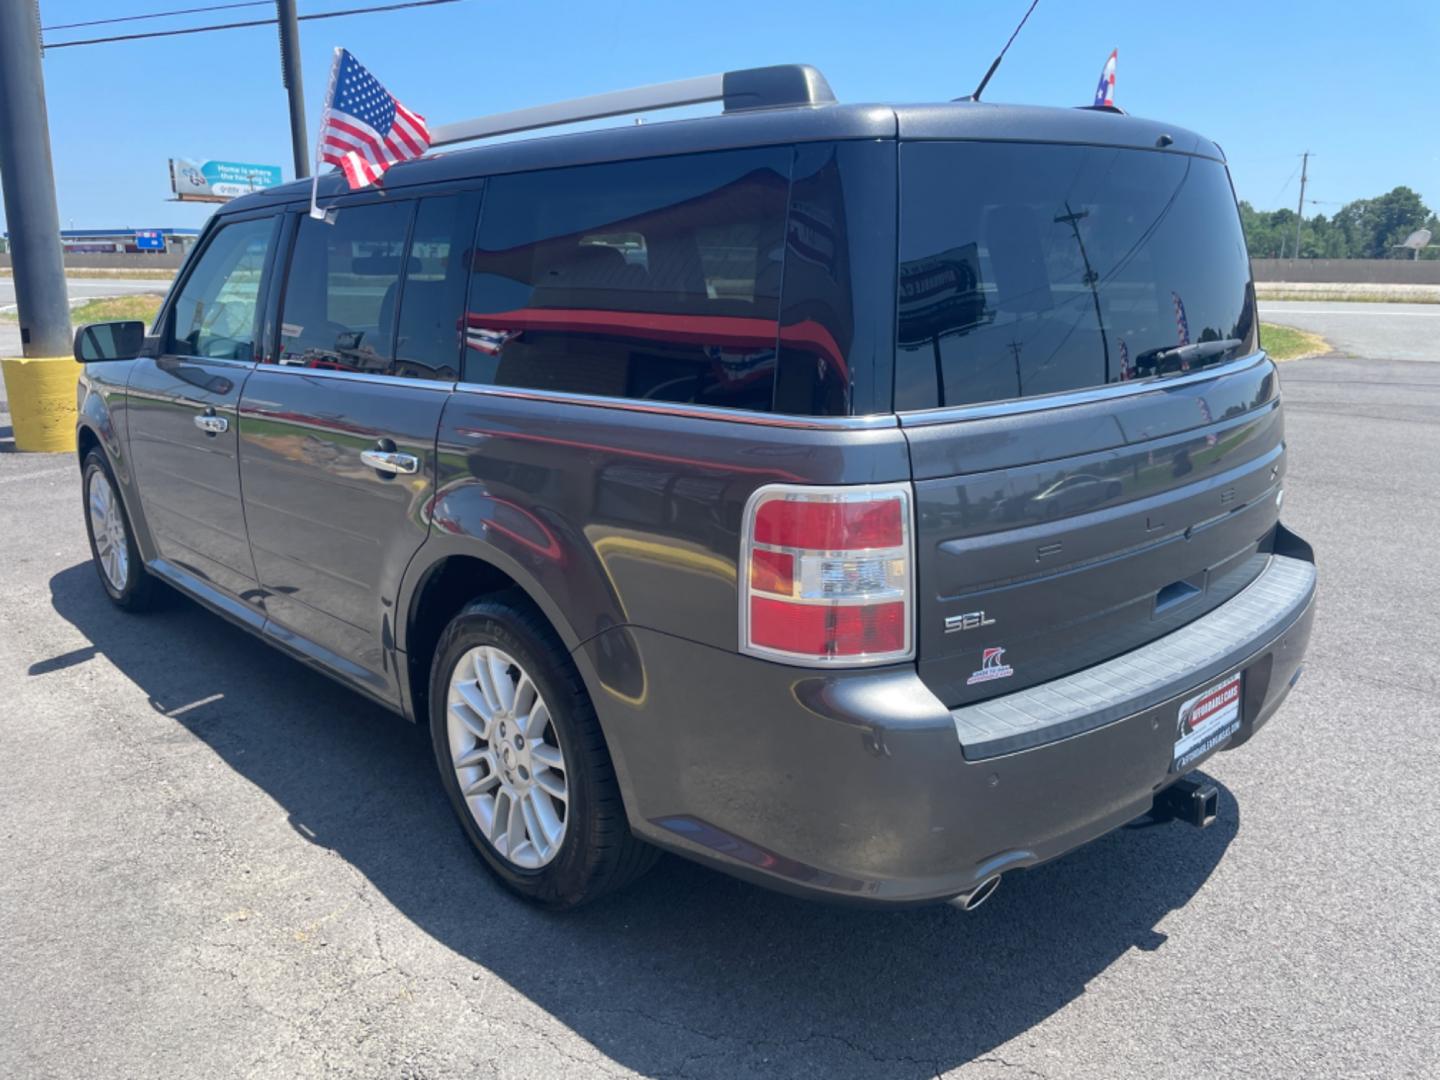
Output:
[[1184, 356]]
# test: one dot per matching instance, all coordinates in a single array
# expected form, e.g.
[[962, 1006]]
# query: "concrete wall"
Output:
[[1354, 271], [169, 260]]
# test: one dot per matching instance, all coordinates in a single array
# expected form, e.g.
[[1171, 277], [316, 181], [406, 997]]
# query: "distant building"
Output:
[[120, 241]]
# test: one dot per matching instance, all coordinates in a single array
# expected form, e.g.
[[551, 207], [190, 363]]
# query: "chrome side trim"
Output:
[[439, 385], [694, 412], [986, 410]]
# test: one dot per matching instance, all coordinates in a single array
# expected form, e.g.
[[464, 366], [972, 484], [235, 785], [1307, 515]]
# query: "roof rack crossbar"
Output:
[[751, 88]]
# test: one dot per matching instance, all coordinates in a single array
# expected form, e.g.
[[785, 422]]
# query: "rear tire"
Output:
[[112, 542], [523, 761]]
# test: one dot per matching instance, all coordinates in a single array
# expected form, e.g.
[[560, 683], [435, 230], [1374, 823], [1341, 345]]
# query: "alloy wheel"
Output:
[[507, 757], [107, 526]]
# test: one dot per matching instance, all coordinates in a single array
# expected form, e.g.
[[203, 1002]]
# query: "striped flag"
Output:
[[364, 129], [1105, 92], [1182, 324]]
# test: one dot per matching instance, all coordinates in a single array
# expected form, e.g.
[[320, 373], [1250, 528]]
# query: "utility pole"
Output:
[[1300, 209], [289, 25], [29, 181], [1092, 279]]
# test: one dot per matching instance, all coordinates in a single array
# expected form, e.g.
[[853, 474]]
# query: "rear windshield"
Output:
[[1032, 269]]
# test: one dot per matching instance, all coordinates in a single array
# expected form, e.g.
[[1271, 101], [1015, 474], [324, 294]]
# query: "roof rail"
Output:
[[750, 88]]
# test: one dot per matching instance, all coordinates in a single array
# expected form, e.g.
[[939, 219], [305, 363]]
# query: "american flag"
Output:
[[364, 129]]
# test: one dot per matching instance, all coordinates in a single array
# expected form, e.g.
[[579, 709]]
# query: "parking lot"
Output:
[[217, 863]]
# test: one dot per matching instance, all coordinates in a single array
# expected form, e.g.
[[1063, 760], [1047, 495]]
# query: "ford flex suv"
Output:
[[868, 501]]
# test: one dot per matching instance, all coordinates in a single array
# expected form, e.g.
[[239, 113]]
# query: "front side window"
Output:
[[655, 279], [215, 313], [342, 290], [1030, 269]]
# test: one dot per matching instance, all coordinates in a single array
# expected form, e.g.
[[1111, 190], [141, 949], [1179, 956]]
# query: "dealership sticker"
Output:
[[992, 666], [1206, 722]]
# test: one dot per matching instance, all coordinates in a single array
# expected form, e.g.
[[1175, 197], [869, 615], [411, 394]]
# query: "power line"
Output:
[[1276, 196], [157, 15], [243, 25]]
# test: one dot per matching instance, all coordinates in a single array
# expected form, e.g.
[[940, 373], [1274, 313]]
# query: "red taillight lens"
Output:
[[830, 526], [827, 629], [829, 574]]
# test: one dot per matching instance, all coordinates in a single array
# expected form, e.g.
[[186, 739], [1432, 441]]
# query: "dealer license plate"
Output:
[[1206, 722]]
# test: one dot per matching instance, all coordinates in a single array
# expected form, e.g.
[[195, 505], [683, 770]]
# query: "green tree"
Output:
[[1363, 229]]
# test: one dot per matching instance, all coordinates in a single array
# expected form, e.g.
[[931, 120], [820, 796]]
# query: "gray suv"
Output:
[[867, 501]]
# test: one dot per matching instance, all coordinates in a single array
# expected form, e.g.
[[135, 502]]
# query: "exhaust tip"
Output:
[[977, 896]]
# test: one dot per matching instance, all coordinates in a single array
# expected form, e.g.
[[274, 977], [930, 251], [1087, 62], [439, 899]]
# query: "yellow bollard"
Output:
[[41, 392]]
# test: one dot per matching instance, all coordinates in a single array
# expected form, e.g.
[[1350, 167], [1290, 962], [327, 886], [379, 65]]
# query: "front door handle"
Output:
[[389, 461], [211, 424]]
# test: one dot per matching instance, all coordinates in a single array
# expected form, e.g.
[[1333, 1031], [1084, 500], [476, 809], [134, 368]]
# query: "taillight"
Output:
[[827, 574]]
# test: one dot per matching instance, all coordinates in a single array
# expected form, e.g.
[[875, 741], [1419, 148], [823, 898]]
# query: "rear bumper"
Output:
[[857, 785]]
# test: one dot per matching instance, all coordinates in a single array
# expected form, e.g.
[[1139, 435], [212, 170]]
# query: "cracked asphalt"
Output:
[[215, 863]]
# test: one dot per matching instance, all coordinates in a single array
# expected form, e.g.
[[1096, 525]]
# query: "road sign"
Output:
[[219, 181], [150, 240]]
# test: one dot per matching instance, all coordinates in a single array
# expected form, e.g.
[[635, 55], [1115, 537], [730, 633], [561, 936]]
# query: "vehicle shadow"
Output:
[[687, 968]]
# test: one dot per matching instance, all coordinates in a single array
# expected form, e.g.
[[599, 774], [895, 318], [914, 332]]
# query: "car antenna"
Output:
[[996, 64]]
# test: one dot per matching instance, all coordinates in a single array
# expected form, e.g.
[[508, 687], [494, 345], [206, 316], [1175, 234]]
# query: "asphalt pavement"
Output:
[[79, 289], [1392, 331], [217, 863]]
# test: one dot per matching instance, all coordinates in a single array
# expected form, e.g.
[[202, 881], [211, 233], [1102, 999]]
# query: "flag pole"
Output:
[[315, 211]]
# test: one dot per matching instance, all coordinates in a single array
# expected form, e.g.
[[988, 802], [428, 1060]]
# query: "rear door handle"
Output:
[[389, 461], [211, 424]]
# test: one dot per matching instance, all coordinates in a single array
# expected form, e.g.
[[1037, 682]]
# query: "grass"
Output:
[[1287, 343], [107, 272], [142, 306], [1347, 296]]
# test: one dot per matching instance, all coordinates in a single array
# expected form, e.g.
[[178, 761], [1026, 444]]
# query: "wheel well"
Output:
[[86, 441], [449, 586]]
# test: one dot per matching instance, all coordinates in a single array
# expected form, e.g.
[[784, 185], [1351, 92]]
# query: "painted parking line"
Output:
[[1337, 311]]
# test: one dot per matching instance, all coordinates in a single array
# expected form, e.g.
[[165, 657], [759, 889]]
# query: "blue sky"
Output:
[[1265, 78]]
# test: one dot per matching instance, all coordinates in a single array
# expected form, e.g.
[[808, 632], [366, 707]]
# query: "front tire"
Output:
[[523, 760], [112, 543]]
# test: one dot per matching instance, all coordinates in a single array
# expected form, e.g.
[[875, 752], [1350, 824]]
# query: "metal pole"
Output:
[[290, 78], [29, 181], [1300, 209]]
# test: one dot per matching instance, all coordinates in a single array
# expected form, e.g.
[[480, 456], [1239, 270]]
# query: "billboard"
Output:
[[218, 181]]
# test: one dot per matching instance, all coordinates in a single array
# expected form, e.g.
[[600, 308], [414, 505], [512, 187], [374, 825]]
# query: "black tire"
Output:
[[598, 854], [139, 591]]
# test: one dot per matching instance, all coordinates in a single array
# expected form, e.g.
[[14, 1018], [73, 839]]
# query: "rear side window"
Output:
[[655, 279], [343, 287], [215, 313], [1031, 269], [427, 337]]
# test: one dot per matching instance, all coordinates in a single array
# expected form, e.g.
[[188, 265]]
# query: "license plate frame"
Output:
[[1206, 721]]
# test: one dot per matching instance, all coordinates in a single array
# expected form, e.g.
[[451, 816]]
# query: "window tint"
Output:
[[428, 339], [215, 313], [654, 279], [1029, 269], [342, 289]]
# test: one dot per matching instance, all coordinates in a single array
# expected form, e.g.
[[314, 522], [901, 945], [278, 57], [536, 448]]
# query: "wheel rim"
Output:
[[507, 757], [107, 527]]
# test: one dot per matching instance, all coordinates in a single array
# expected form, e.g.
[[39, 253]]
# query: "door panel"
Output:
[[182, 408], [188, 476], [330, 534], [337, 438]]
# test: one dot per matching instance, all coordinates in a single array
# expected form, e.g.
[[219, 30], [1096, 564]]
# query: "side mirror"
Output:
[[109, 341]]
